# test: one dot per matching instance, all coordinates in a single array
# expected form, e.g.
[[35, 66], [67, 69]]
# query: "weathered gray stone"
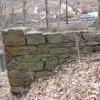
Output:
[[43, 53], [51, 63], [45, 57], [86, 50], [80, 44], [40, 74], [92, 37], [55, 51], [93, 43], [33, 66], [28, 58], [18, 79], [96, 48], [14, 36], [53, 37], [19, 51], [42, 49], [26, 76], [66, 45], [73, 56], [34, 38], [71, 37], [73, 50], [63, 58]]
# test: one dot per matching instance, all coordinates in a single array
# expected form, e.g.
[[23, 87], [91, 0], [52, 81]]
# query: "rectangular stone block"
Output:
[[24, 76], [20, 51], [71, 36], [14, 37], [53, 37], [24, 67], [27, 58], [20, 80], [16, 82], [61, 48], [86, 50], [42, 49], [34, 38], [58, 48], [96, 48], [55, 51], [66, 45], [93, 43], [91, 37]]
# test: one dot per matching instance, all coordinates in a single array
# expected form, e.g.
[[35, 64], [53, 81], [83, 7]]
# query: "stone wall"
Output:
[[32, 54]]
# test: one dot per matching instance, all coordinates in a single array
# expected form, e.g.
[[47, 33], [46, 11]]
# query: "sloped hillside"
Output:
[[70, 82]]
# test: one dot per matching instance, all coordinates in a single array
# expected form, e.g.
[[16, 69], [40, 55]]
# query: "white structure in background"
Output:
[[91, 16]]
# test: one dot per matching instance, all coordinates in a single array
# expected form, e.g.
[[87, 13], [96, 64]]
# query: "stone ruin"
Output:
[[32, 54]]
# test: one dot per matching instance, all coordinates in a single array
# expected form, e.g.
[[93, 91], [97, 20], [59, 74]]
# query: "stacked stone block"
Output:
[[32, 54]]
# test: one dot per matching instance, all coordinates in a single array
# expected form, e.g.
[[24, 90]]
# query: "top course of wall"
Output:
[[21, 36]]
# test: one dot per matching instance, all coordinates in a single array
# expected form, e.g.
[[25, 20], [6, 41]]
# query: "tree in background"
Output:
[[24, 12], [1, 1], [47, 14], [3, 12], [66, 11], [12, 13], [59, 14], [98, 20]]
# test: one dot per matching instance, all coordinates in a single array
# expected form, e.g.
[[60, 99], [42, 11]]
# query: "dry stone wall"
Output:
[[32, 54]]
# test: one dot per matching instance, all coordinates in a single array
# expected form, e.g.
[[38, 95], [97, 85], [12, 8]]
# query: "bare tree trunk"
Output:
[[1, 15], [59, 15], [47, 14], [1, 6], [12, 12], [38, 15], [66, 11], [98, 20], [24, 13]]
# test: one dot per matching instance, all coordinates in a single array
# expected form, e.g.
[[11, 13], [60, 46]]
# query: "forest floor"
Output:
[[4, 87]]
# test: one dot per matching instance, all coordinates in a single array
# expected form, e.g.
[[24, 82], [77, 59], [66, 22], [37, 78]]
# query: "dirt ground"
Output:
[[4, 87]]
